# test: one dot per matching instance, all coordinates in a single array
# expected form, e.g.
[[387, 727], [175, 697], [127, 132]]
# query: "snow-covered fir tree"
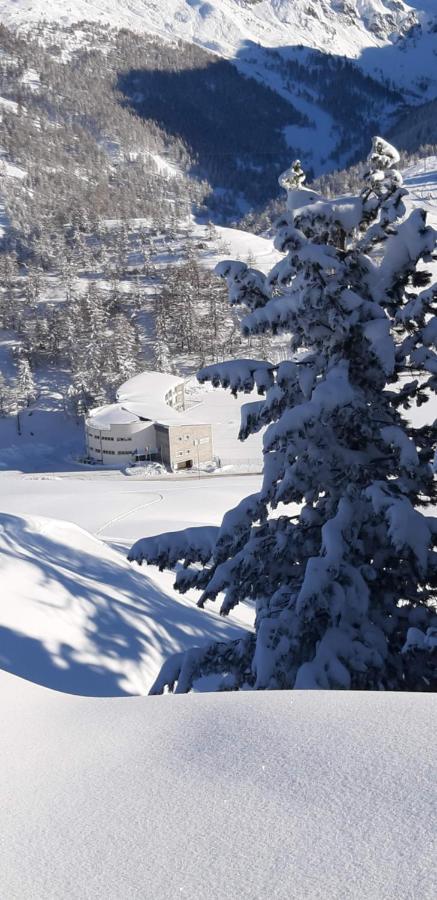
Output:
[[6, 396], [338, 549], [123, 349], [26, 390], [191, 313]]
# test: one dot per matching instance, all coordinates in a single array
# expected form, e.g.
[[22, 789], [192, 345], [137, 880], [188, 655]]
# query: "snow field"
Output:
[[279, 795]]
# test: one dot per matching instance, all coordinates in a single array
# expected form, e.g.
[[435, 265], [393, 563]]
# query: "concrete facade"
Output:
[[184, 446], [120, 443]]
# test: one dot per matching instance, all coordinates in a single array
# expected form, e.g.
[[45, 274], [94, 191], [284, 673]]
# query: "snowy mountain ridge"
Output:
[[344, 27]]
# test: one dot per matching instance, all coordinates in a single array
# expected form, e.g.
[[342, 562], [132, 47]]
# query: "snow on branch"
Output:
[[332, 393], [246, 286], [395, 436], [344, 577], [413, 240], [237, 523], [166, 550], [230, 661], [407, 527], [239, 375], [378, 333]]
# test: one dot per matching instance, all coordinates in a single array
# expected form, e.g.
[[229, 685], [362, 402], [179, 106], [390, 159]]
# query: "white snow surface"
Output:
[[142, 397], [421, 181], [278, 795], [142, 385]]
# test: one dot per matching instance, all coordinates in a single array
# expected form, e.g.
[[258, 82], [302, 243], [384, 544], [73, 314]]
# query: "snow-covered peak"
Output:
[[340, 26]]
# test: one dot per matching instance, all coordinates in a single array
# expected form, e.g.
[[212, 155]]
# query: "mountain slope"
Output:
[[327, 107], [343, 27], [222, 24], [411, 131]]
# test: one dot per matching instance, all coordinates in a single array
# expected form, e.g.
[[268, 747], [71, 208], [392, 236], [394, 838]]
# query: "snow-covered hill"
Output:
[[325, 112], [76, 617], [267, 795]]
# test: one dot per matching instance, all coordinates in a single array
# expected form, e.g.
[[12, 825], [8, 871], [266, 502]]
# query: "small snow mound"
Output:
[[149, 470]]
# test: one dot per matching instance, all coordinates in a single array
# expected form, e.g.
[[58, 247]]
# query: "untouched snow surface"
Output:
[[255, 796]]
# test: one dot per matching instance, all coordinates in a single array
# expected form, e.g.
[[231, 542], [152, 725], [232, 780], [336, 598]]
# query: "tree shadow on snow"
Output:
[[123, 620]]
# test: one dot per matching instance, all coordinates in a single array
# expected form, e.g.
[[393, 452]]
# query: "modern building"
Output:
[[116, 436], [183, 446], [147, 423]]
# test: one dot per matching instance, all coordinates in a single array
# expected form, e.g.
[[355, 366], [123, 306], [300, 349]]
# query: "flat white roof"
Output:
[[148, 386], [113, 414], [153, 408], [140, 398], [144, 396]]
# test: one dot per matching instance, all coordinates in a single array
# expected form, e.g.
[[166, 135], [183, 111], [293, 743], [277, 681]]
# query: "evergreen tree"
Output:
[[345, 579], [6, 397], [123, 350], [25, 386], [32, 291], [161, 356], [191, 313]]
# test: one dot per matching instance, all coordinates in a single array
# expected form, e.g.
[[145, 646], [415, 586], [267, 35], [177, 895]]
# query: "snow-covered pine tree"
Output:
[[6, 397], [26, 390], [123, 349], [337, 550], [161, 355]]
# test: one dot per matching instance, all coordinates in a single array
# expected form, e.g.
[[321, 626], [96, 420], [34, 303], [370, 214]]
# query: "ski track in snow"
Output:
[[125, 515]]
